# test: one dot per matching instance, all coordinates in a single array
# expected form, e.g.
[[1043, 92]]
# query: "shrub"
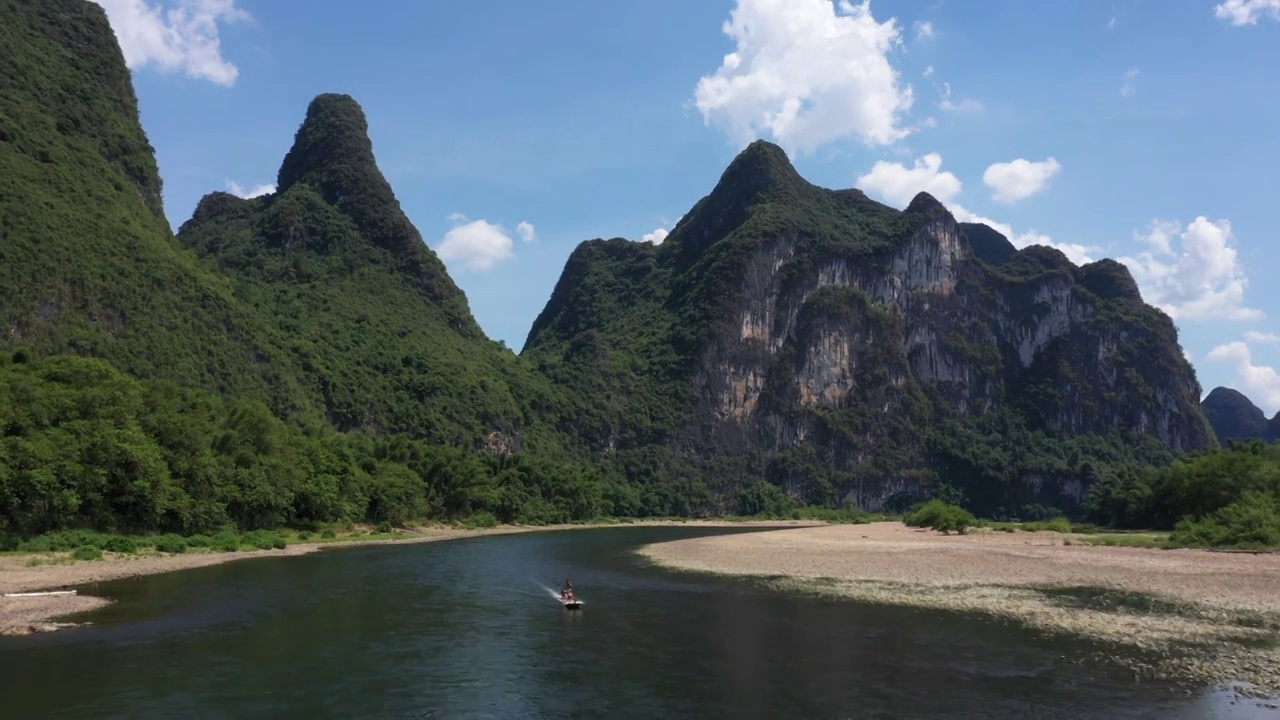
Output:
[[87, 552], [120, 544], [1252, 521], [941, 516], [170, 544], [484, 519]]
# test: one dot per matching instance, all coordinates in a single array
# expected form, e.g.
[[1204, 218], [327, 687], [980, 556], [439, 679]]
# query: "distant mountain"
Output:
[[846, 350], [1234, 417]]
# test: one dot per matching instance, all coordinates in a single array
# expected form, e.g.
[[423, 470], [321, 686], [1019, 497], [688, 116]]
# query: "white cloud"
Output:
[[928, 71], [1260, 338], [924, 30], [1260, 383], [967, 106], [807, 72], [656, 237], [1247, 12], [897, 184], [175, 35], [1200, 280], [239, 190], [1111, 24], [1075, 252], [526, 232], [1020, 179], [1126, 88], [478, 244]]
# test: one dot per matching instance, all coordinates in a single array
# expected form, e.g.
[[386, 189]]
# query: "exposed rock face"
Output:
[[824, 326]]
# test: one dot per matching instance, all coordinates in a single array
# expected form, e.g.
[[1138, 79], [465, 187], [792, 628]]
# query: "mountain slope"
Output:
[[849, 351], [87, 261], [1234, 417], [381, 333]]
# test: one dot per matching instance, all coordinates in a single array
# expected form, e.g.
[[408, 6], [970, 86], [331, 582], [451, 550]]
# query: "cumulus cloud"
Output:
[[928, 71], [175, 35], [478, 244], [1261, 383], [1126, 88], [896, 184], [1020, 179], [1247, 12], [807, 72], [1258, 338], [526, 232], [656, 237], [967, 106], [1193, 272], [239, 190], [924, 30]]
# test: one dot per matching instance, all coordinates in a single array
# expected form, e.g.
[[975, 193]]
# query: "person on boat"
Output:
[[567, 592]]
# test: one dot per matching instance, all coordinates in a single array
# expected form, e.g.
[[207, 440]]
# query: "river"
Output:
[[469, 628]]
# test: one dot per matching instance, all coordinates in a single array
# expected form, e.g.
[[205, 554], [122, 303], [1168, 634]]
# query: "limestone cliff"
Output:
[[844, 349]]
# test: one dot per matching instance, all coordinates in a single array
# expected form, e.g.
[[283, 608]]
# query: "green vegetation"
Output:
[[303, 360], [83, 445], [87, 262], [1229, 497], [941, 516]]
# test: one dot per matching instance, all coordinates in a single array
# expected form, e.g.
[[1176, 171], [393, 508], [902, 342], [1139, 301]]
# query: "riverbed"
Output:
[[469, 628]]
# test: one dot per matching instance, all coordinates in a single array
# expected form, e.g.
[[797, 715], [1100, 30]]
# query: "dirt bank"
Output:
[[28, 572], [1205, 615]]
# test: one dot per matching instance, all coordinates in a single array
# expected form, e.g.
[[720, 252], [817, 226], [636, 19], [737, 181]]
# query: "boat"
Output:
[[45, 593], [569, 600]]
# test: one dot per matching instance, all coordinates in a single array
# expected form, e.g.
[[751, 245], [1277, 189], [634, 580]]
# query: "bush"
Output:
[[328, 535], [484, 519], [87, 552], [120, 544], [941, 516], [170, 544], [264, 540], [1251, 522]]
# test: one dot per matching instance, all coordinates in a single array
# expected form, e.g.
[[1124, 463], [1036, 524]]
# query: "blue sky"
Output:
[[511, 131]]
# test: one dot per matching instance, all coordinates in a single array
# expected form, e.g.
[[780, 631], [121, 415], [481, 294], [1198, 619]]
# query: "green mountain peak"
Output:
[[333, 155]]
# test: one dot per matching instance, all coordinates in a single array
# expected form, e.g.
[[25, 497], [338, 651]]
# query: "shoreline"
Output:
[[1190, 616], [56, 571]]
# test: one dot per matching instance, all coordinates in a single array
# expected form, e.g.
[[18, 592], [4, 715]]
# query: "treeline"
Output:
[[1228, 497], [85, 446]]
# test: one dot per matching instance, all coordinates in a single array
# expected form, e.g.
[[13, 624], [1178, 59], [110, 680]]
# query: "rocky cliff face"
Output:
[[1234, 417], [833, 339]]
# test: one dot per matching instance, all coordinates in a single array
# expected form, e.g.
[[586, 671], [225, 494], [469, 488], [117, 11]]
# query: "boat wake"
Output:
[[554, 595]]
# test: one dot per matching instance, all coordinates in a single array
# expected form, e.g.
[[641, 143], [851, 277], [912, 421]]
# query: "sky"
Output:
[[1140, 130]]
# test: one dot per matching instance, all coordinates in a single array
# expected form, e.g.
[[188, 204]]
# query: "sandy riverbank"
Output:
[[1203, 616], [31, 572]]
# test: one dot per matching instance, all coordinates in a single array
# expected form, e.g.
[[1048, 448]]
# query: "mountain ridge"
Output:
[[784, 325], [840, 350], [1235, 417]]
